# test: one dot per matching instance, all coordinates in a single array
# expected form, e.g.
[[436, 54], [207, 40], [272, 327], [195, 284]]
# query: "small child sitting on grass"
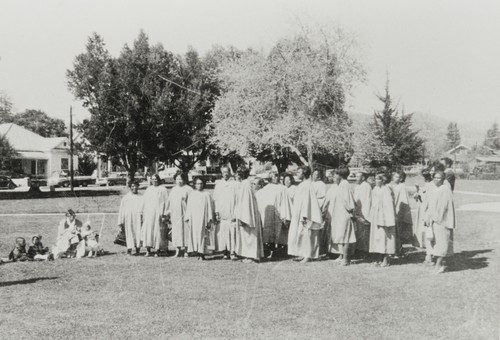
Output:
[[19, 251], [37, 251], [90, 242]]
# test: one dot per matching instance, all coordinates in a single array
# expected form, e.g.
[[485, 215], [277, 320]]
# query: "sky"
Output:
[[442, 57]]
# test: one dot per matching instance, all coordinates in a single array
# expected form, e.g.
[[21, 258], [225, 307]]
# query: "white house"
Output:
[[37, 156]]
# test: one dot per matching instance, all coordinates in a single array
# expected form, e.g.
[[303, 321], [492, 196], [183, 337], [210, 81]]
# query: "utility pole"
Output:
[[71, 174]]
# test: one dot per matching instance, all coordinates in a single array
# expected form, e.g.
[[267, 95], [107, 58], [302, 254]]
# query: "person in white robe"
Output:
[[403, 211], [224, 196], [383, 220], [420, 239], [68, 236], [441, 219], [249, 244], [275, 211], [319, 187], [289, 183], [154, 232], [130, 218], [339, 207], [176, 208], [199, 215], [304, 235], [363, 203]]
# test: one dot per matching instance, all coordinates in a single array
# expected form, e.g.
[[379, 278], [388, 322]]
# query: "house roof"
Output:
[[22, 139], [460, 146]]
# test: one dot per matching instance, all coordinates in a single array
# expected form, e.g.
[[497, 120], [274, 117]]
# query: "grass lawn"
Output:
[[117, 296]]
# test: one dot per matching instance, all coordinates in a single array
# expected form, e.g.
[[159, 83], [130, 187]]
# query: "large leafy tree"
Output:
[[452, 136], [394, 130], [40, 123], [289, 100], [492, 139]]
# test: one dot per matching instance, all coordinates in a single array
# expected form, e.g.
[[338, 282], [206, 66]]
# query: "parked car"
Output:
[[114, 178], [62, 179], [6, 183]]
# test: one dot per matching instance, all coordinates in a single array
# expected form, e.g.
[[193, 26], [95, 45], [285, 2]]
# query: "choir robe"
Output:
[[130, 216], [304, 235], [154, 232], [67, 236], [419, 235], [441, 218], [339, 206], [363, 204], [274, 207], [320, 192], [249, 243], [199, 214], [404, 222], [291, 192], [383, 221], [225, 193], [176, 208]]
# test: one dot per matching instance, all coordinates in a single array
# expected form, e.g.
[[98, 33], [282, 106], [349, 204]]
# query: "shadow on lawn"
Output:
[[465, 260], [26, 281], [58, 194]]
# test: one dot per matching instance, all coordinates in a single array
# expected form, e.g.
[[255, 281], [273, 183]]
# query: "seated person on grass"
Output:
[[37, 251], [19, 251], [89, 243], [68, 235]]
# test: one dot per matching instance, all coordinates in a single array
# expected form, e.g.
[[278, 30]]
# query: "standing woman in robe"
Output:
[[404, 222], [176, 208], [340, 208], [289, 183], [419, 227], [383, 221], [154, 228], [200, 215], [249, 243], [130, 218], [363, 203], [441, 219]]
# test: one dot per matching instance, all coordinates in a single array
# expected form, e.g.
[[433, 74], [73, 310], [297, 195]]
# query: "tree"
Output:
[[7, 152], [291, 99], [40, 123], [5, 108], [367, 148], [492, 139], [395, 131], [452, 136]]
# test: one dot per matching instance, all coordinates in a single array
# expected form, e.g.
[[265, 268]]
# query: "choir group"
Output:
[[252, 220]]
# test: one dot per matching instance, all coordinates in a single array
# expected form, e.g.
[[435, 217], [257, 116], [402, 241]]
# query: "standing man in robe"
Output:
[[130, 218], [289, 183], [249, 244], [340, 211], [363, 204], [307, 221], [319, 186], [225, 201], [176, 207], [441, 218], [154, 229], [275, 211], [200, 216], [404, 223]]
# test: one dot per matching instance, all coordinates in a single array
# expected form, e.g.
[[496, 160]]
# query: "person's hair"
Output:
[[70, 212], [447, 161], [382, 176], [224, 167], [157, 177], [200, 179], [344, 172], [438, 167], [35, 237], [306, 171], [439, 172], [134, 182], [320, 172], [20, 241], [182, 175], [289, 175], [427, 176], [243, 172], [402, 175]]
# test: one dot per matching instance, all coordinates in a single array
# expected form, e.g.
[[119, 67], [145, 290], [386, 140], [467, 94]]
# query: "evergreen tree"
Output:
[[452, 136], [493, 137], [395, 132]]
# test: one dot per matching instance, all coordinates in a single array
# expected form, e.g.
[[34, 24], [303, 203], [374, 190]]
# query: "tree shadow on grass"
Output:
[[26, 281], [464, 260]]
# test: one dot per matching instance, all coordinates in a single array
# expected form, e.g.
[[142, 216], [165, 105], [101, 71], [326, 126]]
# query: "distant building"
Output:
[[37, 156], [459, 154]]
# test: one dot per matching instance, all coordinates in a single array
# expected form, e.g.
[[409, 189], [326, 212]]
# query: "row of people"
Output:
[[35, 252]]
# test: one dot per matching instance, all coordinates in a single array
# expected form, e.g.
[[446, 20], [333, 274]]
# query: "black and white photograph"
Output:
[[249, 169]]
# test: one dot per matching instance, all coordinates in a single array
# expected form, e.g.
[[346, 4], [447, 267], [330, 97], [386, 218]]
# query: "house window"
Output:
[[64, 163]]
